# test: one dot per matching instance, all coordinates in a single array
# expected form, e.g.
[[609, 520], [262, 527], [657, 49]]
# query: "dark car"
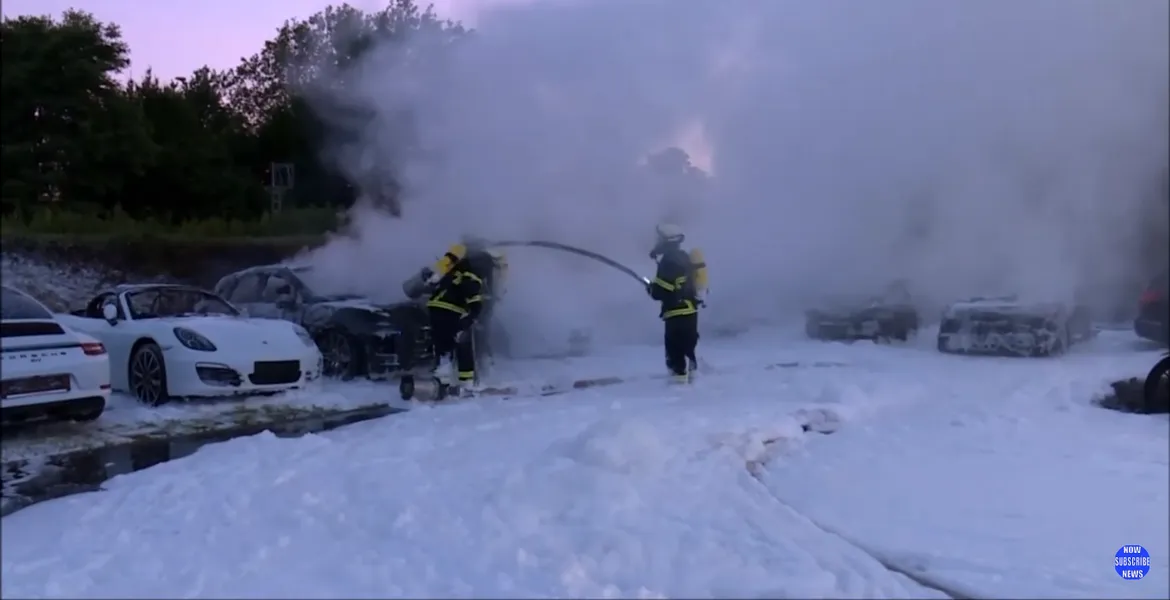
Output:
[[357, 337], [878, 323], [1153, 320], [1006, 326], [883, 318]]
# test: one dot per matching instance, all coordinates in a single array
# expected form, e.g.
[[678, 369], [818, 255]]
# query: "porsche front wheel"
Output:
[[148, 375]]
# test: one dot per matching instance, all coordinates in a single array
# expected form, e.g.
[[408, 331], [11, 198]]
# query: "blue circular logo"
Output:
[[1132, 562]]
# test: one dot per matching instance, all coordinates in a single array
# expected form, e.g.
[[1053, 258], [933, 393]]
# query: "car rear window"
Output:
[[15, 305]]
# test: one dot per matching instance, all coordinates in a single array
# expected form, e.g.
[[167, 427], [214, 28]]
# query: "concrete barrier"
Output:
[[28, 481]]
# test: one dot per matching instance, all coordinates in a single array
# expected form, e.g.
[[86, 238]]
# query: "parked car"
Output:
[[1153, 320], [1156, 388], [1006, 326], [891, 316], [356, 336], [48, 369], [176, 341]]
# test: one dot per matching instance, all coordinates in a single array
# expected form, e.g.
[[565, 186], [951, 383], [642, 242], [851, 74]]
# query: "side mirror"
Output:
[[286, 302], [110, 313]]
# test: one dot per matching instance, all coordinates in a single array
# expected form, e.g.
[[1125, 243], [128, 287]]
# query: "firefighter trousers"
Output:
[[445, 328], [680, 338]]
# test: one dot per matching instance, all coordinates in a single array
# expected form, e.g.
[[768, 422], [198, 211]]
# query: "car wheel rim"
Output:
[[147, 372], [337, 354]]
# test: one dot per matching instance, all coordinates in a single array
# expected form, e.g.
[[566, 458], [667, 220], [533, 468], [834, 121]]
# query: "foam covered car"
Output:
[[1008, 326], [891, 316], [167, 341]]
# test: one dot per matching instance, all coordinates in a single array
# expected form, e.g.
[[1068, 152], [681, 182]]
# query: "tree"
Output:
[[292, 92], [66, 130], [195, 173], [203, 145]]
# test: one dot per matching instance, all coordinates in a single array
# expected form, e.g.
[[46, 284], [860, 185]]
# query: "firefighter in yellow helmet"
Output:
[[674, 286], [454, 305]]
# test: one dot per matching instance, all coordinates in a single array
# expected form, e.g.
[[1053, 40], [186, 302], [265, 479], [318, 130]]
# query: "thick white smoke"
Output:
[[965, 146]]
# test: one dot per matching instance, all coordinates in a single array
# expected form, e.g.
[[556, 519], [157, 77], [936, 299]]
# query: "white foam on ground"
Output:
[[644, 490], [588, 495], [125, 417], [1007, 484]]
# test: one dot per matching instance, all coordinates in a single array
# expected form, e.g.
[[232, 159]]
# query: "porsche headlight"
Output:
[[193, 340], [304, 335]]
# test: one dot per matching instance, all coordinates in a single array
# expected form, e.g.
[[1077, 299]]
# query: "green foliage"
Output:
[[82, 152], [119, 224]]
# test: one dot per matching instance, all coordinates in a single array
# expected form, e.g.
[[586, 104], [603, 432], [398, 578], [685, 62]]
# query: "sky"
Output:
[[177, 37]]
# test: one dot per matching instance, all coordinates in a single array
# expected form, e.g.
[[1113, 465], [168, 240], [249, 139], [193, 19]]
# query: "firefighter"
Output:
[[455, 304], [676, 287]]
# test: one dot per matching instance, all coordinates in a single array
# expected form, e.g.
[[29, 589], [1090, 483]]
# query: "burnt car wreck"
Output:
[[881, 319], [356, 336], [1005, 326]]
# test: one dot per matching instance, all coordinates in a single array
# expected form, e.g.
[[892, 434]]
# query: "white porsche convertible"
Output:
[[175, 341]]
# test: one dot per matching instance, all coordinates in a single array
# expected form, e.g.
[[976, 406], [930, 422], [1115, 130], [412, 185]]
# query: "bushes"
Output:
[[52, 223]]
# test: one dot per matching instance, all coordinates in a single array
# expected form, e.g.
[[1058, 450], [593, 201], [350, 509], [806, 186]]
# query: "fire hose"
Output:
[[605, 260]]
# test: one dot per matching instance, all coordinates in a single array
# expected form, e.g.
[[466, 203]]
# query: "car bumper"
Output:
[[191, 376], [89, 389], [1020, 341], [1152, 329], [56, 409], [824, 329]]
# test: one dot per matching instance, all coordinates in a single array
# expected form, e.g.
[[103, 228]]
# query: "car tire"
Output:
[[147, 375], [899, 331], [341, 353], [1156, 388]]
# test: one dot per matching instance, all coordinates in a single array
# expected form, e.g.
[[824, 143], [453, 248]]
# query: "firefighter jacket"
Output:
[[461, 292], [673, 285]]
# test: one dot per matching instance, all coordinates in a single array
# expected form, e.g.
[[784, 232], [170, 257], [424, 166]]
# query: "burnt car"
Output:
[[1007, 326], [1153, 320], [891, 316], [356, 336]]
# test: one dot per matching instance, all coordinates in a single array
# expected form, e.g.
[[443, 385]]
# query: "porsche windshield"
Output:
[[156, 303]]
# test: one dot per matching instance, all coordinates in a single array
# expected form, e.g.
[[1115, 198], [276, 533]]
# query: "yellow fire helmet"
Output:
[[454, 254], [699, 264]]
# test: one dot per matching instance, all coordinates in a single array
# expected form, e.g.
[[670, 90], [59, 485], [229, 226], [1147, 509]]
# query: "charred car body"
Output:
[[1006, 326], [356, 336], [884, 318]]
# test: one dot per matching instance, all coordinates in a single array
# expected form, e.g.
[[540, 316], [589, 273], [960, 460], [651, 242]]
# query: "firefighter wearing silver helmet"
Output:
[[674, 288]]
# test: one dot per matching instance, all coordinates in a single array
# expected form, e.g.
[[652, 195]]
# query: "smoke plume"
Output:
[[966, 147]]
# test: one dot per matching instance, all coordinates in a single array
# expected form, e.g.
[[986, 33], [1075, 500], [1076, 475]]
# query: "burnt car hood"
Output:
[[1004, 308], [849, 311], [361, 303]]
